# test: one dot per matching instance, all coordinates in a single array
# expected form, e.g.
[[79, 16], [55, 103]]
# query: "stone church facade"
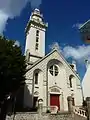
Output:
[[50, 77]]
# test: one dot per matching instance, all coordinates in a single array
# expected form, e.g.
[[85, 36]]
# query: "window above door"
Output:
[[54, 70]]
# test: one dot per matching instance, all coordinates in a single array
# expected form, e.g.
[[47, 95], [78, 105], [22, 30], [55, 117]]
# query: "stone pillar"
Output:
[[70, 106], [40, 106], [88, 107]]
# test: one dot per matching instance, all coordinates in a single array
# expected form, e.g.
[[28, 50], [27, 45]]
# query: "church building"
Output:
[[49, 77]]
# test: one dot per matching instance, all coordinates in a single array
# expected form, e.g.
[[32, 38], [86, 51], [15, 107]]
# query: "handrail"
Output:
[[79, 111]]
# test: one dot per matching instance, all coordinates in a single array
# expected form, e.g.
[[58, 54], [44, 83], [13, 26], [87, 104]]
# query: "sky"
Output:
[[63, 17]]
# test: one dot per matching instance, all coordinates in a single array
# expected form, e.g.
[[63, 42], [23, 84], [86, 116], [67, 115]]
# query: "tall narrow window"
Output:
[[37, 39], [36, 78], [35, 99], [37, 33], [73, 102], [70, 81], [36, 46]]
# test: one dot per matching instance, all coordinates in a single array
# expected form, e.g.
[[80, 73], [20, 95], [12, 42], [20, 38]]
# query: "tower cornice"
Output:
[[35, 23]]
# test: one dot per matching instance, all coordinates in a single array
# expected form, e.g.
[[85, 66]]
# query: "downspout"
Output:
[[47, 85]]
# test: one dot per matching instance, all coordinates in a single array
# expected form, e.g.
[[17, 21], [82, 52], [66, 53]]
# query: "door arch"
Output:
[[55, 96]]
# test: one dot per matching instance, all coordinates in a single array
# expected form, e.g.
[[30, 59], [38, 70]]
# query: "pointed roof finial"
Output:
[[36, 9]]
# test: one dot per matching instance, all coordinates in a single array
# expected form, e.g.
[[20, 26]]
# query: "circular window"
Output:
[[54, 70]]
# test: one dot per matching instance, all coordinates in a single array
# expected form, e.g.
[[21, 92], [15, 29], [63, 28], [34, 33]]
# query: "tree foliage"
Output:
[[12, 67]]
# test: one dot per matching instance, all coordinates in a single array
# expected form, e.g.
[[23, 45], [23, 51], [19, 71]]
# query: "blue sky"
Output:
[[63, 18]]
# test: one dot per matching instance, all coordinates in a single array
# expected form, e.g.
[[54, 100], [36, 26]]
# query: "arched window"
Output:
[[54, 70], [36, 78]]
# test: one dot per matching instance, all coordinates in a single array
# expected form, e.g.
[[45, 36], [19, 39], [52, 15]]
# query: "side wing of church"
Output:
[[85, 81], [49, 77]]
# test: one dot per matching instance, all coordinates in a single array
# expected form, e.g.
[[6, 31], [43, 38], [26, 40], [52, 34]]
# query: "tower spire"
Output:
[[35, 36]]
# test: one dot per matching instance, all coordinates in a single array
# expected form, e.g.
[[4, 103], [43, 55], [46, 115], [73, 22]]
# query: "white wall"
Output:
[[37, 24], [86, 83], [62, 80], [31, 41], [38, 87], [59, 81]]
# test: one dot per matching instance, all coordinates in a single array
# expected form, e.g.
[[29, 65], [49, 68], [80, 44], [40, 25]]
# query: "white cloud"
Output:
[[3, 21], [35, 3], [12, 8], [54, 45], [77, 25], [17, 43], [78, 53]]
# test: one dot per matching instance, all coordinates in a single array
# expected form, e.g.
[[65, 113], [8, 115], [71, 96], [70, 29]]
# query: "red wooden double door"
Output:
[[54, 100]]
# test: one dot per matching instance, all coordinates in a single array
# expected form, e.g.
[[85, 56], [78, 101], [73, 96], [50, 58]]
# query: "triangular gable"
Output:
[[55, 50]]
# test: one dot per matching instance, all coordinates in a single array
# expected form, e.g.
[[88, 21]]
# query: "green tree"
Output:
[[12, 70]]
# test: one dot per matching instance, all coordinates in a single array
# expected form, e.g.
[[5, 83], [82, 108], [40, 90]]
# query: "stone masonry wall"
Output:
[[77, 117], [48, 116], [39, 115]]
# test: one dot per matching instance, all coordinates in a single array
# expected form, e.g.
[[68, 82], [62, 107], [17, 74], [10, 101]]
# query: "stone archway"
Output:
[[54, 96]]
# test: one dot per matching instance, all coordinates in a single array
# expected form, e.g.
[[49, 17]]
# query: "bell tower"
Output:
[[35, 37]]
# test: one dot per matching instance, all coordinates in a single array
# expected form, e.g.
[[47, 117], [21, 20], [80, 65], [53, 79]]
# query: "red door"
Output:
[[54, 100]]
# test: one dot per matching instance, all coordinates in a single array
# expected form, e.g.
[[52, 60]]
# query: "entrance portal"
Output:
[[54, 100], [35, 102]]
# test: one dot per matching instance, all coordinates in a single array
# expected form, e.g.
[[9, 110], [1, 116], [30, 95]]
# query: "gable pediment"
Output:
[[53, 55]]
